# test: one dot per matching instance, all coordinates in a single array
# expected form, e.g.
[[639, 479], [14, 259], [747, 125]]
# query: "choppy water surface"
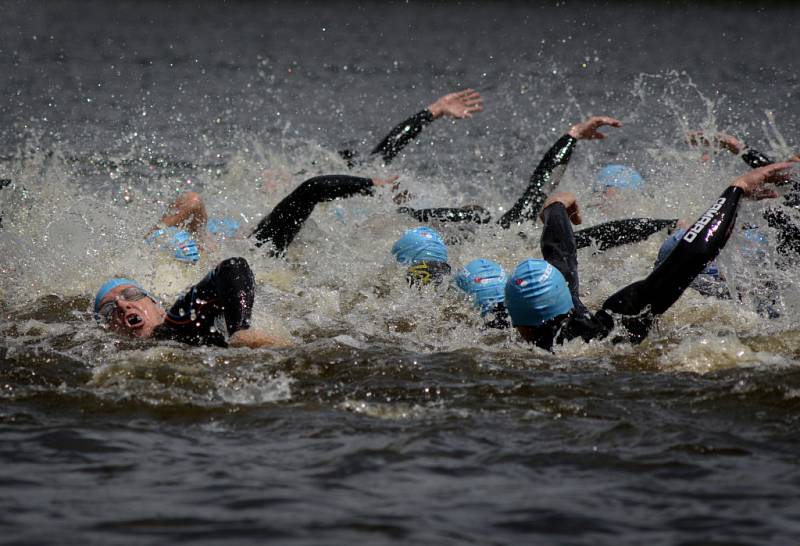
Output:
[[397, 417]]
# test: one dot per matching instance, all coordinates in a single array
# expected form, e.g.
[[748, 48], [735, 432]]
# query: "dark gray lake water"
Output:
[[397, 418]]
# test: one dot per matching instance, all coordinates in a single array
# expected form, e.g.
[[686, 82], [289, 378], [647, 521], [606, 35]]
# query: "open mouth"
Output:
[[133, 320]]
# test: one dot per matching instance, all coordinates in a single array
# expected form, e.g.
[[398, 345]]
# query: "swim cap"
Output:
[[535, 293], [485, 281], [669, 245], [111, 284], [223, 227], [177, 241], [755, 244], [618, 176], [418, 245]]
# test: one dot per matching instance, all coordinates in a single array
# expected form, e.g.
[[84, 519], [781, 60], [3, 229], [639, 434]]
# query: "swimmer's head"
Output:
[[755, 244], [127, 308], [427, 272], [535, 293], [421, 244], [485, 281], [669, 245], [618, 177]]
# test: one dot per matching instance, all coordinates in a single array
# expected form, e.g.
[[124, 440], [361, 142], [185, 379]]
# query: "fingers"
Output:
[[599, 121], [575, 214]]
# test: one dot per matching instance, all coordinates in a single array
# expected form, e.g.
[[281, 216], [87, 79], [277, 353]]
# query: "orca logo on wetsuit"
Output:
[[692, 234]]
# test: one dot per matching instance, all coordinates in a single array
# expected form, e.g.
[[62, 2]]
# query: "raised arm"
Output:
[[282, 225], [700, 245], [550, 169], [559, 213], [458, 105]]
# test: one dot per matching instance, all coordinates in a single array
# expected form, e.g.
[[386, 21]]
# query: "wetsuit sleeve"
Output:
[[756, 159], [620, 232], [559, 249], [401, 135], [471, 214], [699, 246], [282, 225], [542, 182], [227, 291]]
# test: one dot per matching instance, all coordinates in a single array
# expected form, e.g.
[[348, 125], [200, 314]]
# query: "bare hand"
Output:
[[752, 183], [721, 140], [588, 129], [380, 182], [459, 105], [254, 339], [570, 203]]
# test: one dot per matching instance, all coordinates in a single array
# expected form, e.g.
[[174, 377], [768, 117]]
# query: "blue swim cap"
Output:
[[111, 284], [485, 281], [177, 241], [669, 245], [618, 176], [535, 293], [223, 227], [418, 245], [755, 244]]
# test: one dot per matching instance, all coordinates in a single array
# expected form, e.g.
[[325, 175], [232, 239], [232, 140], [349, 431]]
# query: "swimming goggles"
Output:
[[131, 293]]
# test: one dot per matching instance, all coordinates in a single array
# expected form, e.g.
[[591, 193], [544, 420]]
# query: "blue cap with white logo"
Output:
[[618, 176], [535, 293], [485, 281], [420, 245]]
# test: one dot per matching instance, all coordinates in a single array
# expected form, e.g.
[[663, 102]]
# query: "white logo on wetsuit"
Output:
[[707, 216]]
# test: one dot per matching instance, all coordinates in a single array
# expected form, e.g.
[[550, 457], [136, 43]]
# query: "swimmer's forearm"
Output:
[[620, 232], [402, 134], [543, 181], [558, 244]]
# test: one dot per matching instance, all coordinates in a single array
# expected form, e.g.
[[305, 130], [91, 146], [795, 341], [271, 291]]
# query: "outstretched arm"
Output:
[[459, 105], [551, 168], [699, 246], [282, 225], [620, 232], [473, 214]]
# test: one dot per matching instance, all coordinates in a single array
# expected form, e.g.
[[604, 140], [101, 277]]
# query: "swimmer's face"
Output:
[[127, 310]]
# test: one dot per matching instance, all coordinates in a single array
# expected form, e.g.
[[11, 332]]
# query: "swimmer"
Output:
[[458, 105], [542, 296], [224, 296], [423, 250], [788, 243], [277, 229]]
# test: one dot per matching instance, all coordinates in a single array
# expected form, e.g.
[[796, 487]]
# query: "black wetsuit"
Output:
[[639, 303], [281, 226], [397, 139], [778, 219], [543, 182], [225, 294]]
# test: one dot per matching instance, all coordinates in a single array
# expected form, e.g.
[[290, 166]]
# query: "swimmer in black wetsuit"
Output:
[[458, 105], [542, 296], [777, 218], [544, 181], [278, 228], [215, 311]]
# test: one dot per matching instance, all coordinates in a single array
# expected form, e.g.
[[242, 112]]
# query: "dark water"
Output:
[[385, 424]]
